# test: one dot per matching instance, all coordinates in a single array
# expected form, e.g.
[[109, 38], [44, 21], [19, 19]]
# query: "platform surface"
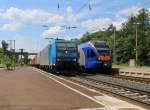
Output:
[[31, 89]]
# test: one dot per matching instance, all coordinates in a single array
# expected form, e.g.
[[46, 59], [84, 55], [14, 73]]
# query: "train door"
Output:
[[91, 59], [49, 55]]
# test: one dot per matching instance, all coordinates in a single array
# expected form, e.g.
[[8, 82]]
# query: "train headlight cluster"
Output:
[[74, 59], [58, 59]]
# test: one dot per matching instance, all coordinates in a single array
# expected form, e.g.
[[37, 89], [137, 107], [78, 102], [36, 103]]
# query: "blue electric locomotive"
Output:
[[59, 55], [94, 55]]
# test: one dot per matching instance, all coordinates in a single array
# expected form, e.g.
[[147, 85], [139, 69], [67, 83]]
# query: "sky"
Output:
[[30, 22]]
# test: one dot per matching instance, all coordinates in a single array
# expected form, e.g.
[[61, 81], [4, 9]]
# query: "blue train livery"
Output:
[[94, 55], [59, 55]]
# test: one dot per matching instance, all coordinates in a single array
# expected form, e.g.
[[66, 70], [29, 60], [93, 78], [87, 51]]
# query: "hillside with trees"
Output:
[[125, 38]]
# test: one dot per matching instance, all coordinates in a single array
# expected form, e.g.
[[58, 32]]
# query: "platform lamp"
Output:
[[136, 42]]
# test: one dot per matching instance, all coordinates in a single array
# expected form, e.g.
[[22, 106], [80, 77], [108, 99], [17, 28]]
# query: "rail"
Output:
[[118, 86]]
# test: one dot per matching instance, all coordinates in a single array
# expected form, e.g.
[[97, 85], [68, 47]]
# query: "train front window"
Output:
[[101, 46], [91, 54], [61, 45], [66, 46], [103, 52], [71, 44]]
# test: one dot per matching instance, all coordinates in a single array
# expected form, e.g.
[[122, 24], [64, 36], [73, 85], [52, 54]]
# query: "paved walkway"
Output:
[[25, 89], [32, 89]]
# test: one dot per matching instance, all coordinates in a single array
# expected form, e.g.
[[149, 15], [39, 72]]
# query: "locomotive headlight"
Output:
[[58, 59], [105, 64], [99, 58], [74, 59]]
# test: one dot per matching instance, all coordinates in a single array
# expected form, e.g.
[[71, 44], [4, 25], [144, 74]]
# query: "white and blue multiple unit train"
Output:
[[58, 56], [95, 55]]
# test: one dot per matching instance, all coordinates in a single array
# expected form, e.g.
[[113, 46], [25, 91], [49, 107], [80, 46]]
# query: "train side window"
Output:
[[90, 54]]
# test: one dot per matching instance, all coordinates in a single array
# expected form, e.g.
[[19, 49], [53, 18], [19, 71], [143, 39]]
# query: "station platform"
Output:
[[32, 89], [143, 72]]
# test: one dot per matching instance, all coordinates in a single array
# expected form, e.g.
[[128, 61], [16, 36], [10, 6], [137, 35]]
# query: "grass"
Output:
[[120, 66], [2, 65], [126, 66]]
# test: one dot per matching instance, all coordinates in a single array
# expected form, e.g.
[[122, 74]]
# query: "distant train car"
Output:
[[58, 56], [94, 55], [33, 61]]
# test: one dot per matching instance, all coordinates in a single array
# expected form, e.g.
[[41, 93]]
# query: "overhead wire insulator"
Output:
[[90, 8], [58, 6]]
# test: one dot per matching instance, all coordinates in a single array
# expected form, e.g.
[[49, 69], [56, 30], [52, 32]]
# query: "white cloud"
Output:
[[69, 9], [11, 26], [102, 23], [97, 23], [52, 31], [30, 44], [128, 11], [79, 35], [31, 15], [118, 23], [75, 18]]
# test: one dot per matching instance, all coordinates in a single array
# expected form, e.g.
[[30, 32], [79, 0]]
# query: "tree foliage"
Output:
[[125, 37], [4, 46], [4, 59]]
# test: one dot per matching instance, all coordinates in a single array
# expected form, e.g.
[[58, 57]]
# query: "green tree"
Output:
[[125, 37], [4, 45]]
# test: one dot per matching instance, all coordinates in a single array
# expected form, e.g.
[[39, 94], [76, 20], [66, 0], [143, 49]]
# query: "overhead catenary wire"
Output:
[[86, 4]]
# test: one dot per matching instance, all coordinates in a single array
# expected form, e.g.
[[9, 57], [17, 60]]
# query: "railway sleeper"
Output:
[[147, 100], [142, 96], [132, 94]]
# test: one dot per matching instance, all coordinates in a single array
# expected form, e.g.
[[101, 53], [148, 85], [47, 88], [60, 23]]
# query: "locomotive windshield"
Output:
[[102, 48], [66, 49], [66, 45]]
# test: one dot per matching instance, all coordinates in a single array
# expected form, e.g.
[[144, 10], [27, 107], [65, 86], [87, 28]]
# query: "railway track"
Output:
[[131, 88], [131, 78], [121, 87]]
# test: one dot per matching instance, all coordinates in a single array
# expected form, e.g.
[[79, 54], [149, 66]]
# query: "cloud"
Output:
[[79, 35], [52, 31], [69, 9], [11, 26], [31, 15], [128, 11], [26, 42], [118, 23], [73, 17], [98, 23], [102, 23]]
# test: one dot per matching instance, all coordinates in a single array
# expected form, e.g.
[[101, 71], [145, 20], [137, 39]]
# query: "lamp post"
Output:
[[114, 46], [21, 53], [136, 42], [12, 51]]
